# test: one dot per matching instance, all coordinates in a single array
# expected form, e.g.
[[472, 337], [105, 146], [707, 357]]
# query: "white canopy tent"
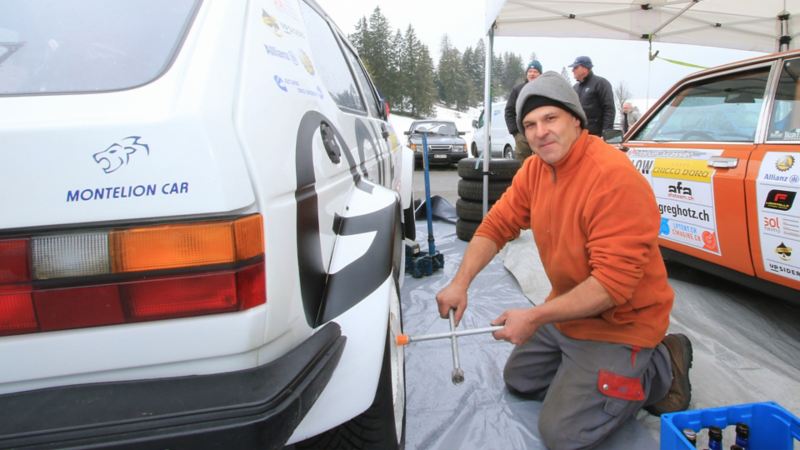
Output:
[[755, 25]]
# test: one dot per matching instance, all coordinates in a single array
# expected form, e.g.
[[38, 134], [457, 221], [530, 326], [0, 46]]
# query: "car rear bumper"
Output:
[[253, 408], [441, 158]]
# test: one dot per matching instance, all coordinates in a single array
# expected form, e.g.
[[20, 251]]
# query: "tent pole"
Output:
[[487, 116], [785, 39]]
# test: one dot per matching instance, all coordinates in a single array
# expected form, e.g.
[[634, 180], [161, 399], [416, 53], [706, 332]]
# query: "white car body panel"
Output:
[[220, 143]]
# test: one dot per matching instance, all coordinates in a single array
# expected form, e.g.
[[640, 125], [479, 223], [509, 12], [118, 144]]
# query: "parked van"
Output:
[[502, 141], [720, 150], [201, 229]]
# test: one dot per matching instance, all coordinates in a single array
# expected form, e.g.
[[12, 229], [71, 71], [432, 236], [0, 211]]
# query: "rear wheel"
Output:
[[377, 428], [474, 150], [508, 152]]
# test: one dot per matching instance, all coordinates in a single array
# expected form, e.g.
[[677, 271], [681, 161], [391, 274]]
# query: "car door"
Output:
[[499, 130], [694, 150], [773, 181]]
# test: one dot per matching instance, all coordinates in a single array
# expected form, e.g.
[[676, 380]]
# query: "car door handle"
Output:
[[723, 162]]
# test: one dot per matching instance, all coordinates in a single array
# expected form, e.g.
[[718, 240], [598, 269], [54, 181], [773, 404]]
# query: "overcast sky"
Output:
[[462, 21]]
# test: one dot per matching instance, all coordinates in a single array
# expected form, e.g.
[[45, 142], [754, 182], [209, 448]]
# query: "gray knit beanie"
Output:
[[551, 86]]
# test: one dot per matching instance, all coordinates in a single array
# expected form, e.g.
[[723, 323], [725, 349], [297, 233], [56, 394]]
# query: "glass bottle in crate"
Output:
[[714, 438], [743, 435]]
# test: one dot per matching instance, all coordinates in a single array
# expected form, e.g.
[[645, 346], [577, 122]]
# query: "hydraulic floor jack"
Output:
[[420, 263]]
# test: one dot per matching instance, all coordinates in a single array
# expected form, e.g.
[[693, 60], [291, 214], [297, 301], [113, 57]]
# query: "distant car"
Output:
[[502, 141], [445, 144], [721, 150]]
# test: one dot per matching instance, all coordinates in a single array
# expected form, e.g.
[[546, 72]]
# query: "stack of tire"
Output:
[[469, 206]]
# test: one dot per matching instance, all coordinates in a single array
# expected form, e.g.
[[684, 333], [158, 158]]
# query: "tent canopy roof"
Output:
[[737, 24]]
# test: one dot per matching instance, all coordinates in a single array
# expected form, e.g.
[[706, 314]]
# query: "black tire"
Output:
[[500, 169], [474, 150], [465, 229], [508, 152], [469, 210], [473, 190], [374, 429]]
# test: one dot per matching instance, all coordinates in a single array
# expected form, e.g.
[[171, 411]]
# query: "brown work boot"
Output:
[[680, 392]]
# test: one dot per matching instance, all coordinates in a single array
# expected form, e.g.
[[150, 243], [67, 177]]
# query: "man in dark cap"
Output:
[[596, 95], [521, 148], [595, 350]]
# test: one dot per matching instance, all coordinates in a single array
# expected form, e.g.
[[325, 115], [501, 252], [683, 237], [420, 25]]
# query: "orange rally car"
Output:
[[721, 150]]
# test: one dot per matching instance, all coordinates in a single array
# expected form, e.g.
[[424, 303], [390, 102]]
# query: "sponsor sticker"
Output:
[[683, 185], [779, 218]]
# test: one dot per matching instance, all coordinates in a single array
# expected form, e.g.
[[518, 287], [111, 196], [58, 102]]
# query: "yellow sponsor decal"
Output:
[[682, 169]]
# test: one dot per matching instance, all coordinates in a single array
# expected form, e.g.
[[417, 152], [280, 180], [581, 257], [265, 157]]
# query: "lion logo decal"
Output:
[[119, 153]]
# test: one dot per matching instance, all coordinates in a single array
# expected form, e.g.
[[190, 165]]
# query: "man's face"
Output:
[[532, 74], [580, 72], [551, 131], [627, 107]]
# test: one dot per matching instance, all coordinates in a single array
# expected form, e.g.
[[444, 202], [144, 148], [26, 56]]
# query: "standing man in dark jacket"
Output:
[[596, 96], [522, 150]]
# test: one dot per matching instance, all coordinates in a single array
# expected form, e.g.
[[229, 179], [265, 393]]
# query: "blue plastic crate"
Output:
[[771, 426]]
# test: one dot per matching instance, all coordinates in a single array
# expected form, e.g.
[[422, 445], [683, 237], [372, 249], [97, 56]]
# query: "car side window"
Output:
[[330, 62], [363, 82], [721, 109], [785, 118]]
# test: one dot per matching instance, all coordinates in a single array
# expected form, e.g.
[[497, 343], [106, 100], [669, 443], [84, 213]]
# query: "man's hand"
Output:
[[452, 297], [519, 326]]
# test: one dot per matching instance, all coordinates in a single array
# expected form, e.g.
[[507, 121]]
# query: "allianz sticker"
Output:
[[282, 54], [778, 215]]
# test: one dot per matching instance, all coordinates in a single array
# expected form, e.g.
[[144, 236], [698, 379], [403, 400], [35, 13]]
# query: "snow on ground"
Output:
[[463, 121]]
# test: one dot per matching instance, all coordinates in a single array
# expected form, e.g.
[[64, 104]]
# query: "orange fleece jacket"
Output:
[[592, 214]]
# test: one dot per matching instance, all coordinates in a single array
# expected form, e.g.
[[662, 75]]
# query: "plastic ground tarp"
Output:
[[744, 351], [480, 413]]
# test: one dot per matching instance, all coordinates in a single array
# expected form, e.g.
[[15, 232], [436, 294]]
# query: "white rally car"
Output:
[[201, 227]]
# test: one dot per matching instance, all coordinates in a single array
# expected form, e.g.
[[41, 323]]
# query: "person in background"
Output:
[[521, 148], [595, 351], [630, 114], [596, 96]]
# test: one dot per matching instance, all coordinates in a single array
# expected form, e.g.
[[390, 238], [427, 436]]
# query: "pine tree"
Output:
[[399, 79], [360, 37], [513, 71], [424, 86], [477, 70], [376, 54], [454, 85]]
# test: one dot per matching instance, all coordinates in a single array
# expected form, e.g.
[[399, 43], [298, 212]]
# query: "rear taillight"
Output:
[[107, 277]]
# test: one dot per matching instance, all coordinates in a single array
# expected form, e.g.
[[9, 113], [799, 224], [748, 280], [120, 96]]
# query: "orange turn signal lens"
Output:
[[172, 246], [249, 232]]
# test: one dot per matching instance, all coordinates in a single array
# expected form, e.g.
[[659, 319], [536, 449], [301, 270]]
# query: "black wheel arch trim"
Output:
[[324, 295]]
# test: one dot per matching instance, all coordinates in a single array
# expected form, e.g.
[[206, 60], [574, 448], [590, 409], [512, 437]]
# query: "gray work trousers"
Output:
[[521, 148], [588, 388]]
